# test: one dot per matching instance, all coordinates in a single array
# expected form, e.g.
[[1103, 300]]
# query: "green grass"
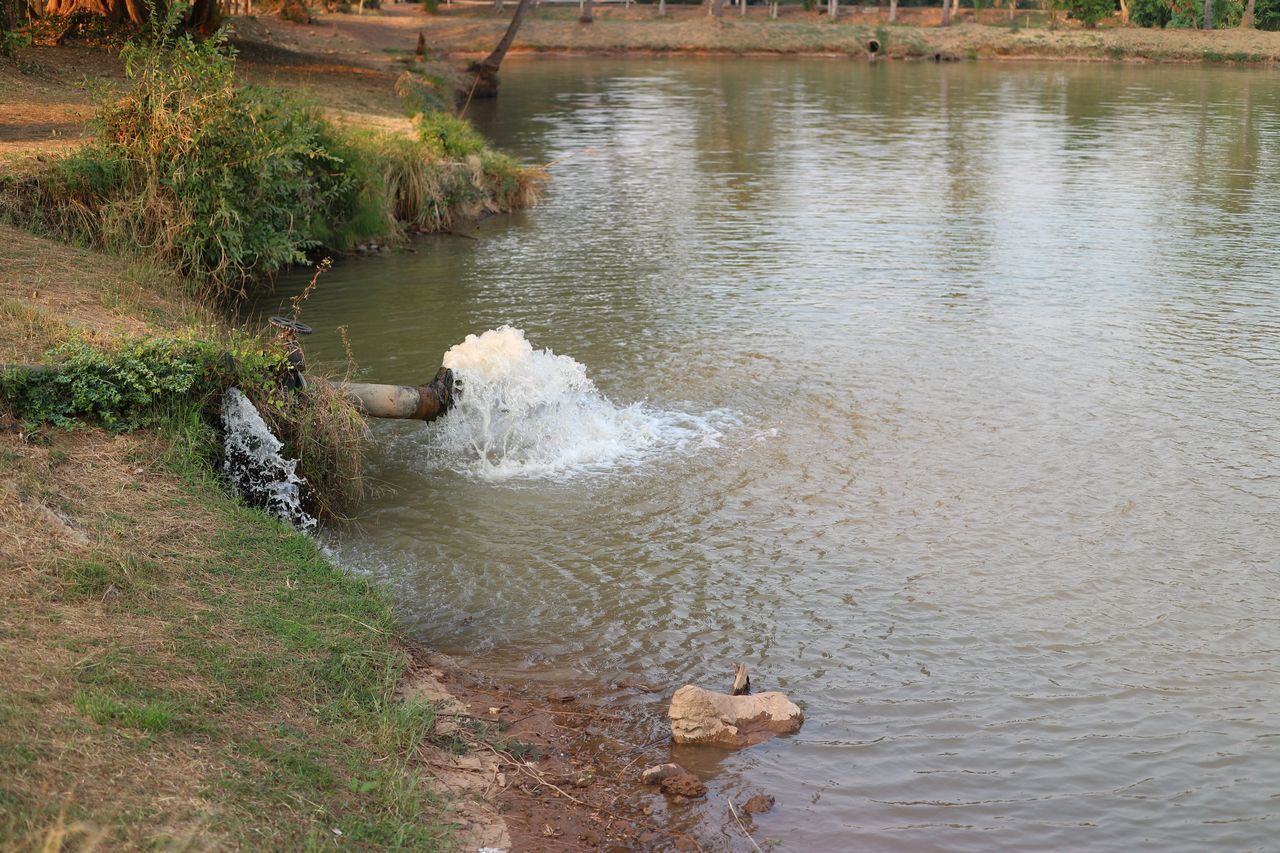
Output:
[[103, 709], [248, 649]]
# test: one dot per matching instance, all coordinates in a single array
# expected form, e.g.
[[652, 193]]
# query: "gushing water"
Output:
[[258, 473], [531, 413]]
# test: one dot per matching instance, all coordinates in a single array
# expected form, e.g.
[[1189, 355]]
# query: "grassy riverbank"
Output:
[[179, 669], [471, 30]]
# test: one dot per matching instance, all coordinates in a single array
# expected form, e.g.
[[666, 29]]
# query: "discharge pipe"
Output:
[[402, 402]]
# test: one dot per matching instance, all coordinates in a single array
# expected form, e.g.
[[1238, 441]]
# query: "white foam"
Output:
[[254, 466], [526, 413]]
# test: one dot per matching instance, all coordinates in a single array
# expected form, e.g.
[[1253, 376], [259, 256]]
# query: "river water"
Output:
[[979, 371]]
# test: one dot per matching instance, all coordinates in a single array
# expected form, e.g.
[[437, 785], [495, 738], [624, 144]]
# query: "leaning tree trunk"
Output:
[[1246, 20], [1208, 14], [486, 71], [588, 12]]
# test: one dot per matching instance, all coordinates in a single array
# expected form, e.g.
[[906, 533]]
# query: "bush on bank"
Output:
[[227, 182]]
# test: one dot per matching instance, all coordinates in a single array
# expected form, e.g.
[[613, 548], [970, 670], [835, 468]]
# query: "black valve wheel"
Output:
[[290, 325]]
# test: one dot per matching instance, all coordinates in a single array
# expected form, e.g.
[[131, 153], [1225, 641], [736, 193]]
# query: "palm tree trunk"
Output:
[[588, 12], [833, 9], [946, 13], [1246, 20], [1208, 14], [893, 10]]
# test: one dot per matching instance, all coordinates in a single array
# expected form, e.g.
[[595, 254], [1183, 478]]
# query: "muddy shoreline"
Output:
[[551, 768]]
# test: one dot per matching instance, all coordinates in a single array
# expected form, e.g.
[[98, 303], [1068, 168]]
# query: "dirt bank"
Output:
[[473, 29]]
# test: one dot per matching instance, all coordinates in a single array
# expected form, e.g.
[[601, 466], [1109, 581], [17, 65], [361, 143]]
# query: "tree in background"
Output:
[[1089, 12], [201, 16], [486, 71]]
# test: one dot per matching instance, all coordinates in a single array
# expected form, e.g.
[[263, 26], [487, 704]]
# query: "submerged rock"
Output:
[[759, 804], [684, 784], [700, 716]]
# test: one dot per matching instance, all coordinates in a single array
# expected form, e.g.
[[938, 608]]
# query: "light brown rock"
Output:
[[655, 774], [702, 716]]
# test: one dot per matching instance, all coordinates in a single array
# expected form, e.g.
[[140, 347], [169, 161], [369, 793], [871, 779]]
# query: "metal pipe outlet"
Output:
[[403, 402]]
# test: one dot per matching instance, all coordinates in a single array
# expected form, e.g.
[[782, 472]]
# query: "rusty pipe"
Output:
[[402, 402]]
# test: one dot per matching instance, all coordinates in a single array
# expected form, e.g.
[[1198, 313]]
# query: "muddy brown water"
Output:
[[993, 356]]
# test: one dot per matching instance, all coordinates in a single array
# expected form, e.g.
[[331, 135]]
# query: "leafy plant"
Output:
[[448, 137], [1150, 13], [1088, 12], [133, 383]]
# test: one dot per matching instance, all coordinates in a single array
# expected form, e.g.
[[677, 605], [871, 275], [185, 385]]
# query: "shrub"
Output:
[[1149, 13], [132, 383], [225, 182], [219, 180], [1267, 14], [448, 137], [1089, 12]]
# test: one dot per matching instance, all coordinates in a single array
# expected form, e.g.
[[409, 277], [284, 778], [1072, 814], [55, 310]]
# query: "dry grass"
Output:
[[49, 290], [183, 673]]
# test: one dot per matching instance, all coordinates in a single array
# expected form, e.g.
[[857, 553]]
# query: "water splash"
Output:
[[256, 470], [534, 414]]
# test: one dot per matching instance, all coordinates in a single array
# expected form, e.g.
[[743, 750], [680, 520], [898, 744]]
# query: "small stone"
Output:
[[759, 804], [654, 775], [684, 784]]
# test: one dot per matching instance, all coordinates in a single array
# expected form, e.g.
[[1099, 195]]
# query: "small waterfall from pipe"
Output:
[[254, 467], [526, 413]]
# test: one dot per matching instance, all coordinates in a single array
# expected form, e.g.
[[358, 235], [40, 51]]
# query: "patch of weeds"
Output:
[[106, 574], [448, 137], [126, 384], [154, 717]]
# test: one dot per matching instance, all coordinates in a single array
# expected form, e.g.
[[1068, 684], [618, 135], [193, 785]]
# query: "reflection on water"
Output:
[[999, 503]]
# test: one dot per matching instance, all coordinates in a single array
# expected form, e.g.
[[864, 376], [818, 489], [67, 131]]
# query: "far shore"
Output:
[[639, 30]]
